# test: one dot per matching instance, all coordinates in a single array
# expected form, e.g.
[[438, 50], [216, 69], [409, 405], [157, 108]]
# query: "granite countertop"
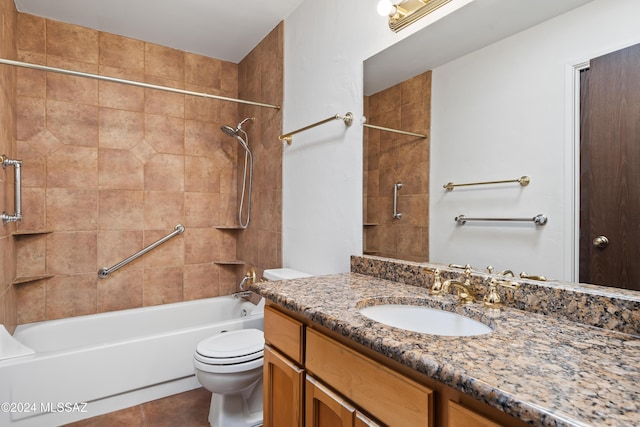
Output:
[[543, 370]]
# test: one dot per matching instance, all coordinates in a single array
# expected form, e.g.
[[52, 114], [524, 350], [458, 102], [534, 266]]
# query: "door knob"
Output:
[[600, 242]]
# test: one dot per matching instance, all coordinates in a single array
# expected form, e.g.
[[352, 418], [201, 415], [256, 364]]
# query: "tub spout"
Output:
[[242, 294]]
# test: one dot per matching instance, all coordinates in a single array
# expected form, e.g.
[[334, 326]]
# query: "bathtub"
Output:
[[90, 365]]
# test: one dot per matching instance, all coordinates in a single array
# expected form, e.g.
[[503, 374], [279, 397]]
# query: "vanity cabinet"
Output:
[[315, 378], [283, 374]]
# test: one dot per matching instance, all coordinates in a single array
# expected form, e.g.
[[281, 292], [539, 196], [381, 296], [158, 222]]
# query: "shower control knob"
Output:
[[600, 242]]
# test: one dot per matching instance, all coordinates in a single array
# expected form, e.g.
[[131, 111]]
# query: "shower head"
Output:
[[228, 130]]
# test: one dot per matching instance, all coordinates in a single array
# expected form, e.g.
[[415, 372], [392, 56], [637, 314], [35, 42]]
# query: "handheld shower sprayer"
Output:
[[228, 130], [248, 161]]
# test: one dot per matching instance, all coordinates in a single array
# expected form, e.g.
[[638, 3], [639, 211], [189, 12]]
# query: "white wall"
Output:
[[487, 136], [325, 44], [503, 112]]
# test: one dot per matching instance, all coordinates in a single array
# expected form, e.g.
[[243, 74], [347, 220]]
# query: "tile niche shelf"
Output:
[[29, 279], [229, 262], [20, 234], [370, 252]]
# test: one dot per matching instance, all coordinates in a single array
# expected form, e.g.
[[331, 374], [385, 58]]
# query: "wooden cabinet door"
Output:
[[459, 416], [323, 408], [283, 388]]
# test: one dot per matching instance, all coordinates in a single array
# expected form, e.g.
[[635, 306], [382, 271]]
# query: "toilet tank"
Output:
[[283, 274]]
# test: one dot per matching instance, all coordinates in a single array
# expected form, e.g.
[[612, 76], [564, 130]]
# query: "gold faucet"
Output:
[[524, 275], [501, 273], [465, 292]]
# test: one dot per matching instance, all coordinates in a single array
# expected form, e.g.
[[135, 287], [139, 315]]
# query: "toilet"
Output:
[[229, 365]]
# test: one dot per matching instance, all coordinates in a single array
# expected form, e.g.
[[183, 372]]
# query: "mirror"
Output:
[[503, 106], [396, 171]]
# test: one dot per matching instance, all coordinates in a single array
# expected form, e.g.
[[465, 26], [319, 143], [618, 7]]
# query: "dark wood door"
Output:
[[610, 170]]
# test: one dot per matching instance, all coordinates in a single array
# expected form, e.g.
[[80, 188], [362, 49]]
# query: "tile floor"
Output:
[[188, 409]]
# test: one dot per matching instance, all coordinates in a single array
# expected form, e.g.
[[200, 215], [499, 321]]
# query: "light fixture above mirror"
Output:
[[402, 13]]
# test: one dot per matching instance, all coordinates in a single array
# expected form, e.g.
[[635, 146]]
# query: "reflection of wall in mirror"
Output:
[[505, 111], [390, 158]]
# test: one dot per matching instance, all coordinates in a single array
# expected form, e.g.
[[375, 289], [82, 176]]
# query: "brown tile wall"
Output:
[[110, 168], [261, 78], [8, 304], [391, 158]]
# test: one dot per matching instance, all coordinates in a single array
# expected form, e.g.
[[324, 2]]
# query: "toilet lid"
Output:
[[229, 347]]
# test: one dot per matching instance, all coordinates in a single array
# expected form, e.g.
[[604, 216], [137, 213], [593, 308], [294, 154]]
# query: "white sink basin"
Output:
[[425, 320]]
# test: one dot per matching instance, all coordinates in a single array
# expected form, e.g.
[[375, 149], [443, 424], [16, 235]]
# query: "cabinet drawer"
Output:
[[392, 398], [284, 333]]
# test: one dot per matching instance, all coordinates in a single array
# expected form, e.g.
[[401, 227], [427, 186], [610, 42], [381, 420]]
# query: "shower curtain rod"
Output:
[[402, 132], [130, 82]]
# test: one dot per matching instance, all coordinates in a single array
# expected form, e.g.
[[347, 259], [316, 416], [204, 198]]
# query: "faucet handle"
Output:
[[467, 273], [492, 297], [249, 278], [436, 287]]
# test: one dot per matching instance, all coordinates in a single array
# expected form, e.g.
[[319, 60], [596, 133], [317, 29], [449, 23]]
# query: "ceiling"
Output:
[[226, 30], [229, 30]]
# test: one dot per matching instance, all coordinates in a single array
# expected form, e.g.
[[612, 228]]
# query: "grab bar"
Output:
[[347, 119], [17, 165], [523, 181], [397, 186], [540, 219], [104, 272]]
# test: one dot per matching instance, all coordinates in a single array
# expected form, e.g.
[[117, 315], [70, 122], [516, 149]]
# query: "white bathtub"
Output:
[[89, 365]]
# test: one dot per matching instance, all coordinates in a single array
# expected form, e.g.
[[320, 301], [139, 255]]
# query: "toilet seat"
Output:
[[231, 351]]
